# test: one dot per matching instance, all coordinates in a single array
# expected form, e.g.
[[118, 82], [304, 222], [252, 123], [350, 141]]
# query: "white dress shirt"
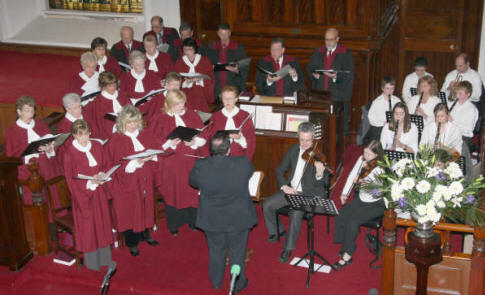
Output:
[[427, 107], [409, 138], [465, 116], [471, 76], [377, 111], [450, 138], [411, 81]]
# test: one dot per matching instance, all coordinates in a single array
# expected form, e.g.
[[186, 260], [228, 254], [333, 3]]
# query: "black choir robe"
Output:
[[288, 85], [120, 52]]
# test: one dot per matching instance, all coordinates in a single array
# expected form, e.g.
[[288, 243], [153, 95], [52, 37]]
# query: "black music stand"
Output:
[[312, 205]]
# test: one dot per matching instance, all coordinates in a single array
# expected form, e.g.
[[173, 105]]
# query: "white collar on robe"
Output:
[[139, 80], [71, 117], [91, 84], [153, 65], [230, 124], [178, 118], [192, 66], [101, 63], [87, 150], [114, 98], [136, 143], [31, 134]]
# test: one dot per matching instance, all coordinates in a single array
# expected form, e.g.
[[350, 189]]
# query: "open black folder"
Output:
[[139, 101], [185, 133], [237, 130], [241, 64], [34, 146]]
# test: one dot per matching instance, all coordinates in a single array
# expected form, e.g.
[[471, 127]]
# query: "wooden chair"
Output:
[[62, 216], [255, 185]]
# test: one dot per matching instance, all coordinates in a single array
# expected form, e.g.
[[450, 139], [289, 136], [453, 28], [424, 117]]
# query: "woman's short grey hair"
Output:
[[135, 54], [70, 98], [88, 57], [306, 127]]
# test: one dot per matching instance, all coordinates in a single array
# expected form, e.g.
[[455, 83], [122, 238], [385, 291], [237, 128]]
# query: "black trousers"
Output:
[[178, 217], [132, 239], [351, 217], [221, 242]]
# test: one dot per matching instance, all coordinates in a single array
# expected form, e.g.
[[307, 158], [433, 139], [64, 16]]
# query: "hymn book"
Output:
[[241, 64], [90, 96], [185, 133], [237, 130], [126, 66], [281, 73], [144, 154], [331, 71], [195, 75], [139, 101], [106, 177], [34, 146]]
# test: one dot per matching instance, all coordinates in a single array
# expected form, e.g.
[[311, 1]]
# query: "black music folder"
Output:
[[240, 63], [282, 72], [184, 133], [89, 96], [34, 146], [139, 101]]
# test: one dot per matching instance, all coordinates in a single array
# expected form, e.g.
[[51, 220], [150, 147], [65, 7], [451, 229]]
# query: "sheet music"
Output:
[[253, 183], [250, 109], [144, 154], [266, 119], [106, 177], [195, 75]]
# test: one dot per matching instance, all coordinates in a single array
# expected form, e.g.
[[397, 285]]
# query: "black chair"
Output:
[[372, 240]]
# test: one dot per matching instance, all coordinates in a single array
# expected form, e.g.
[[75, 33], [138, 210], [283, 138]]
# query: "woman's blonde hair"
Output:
[[127, 114], [432, 82], [172, 98]]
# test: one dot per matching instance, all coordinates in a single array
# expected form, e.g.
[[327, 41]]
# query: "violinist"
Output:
[[364, 206], [400, 134], [304, 177]]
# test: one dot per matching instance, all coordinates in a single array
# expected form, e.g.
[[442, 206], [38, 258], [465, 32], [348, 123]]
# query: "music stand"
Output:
[[312, 205]]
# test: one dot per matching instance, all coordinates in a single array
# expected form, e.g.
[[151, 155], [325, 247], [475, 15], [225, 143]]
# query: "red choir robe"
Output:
[[198, 97], [16, 141], [219, 120], [76, 83], [150, 82], [173, 171], [156, 109], [112, 66], [132, 193], [90, 209], [169, 35], [164, 65], [102, 127]]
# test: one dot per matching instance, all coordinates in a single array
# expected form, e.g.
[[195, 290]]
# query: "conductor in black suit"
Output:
[[333, 56], [279, 86], [226, 212], [306, 178]]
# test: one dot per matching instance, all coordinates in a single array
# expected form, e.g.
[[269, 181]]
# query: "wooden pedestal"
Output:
[[37, 228]]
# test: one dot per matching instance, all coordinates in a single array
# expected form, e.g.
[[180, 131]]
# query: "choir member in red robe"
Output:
[[132, 188], [163, 34], [90, 208], [122, 49], [176, 49], [172, 81], [18, 136], [109, 101], [181, 200], [231, 118], [105, 63], [86, 82], [138, 82], [200, 92], [158, 62]]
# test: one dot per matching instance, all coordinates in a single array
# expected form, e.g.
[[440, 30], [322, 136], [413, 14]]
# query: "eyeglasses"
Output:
[[330, 39]]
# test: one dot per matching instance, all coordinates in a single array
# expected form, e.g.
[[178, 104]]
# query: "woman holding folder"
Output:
[[243, 137], [132, 188], [181, 200]]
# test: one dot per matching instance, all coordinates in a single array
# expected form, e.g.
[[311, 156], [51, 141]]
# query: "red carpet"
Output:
[[179, 265]]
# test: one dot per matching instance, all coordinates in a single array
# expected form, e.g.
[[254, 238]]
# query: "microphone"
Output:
[[235, 271], [373, 291], [106, 280]]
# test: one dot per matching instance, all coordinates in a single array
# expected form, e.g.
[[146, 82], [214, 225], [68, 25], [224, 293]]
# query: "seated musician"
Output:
[[200, 92], [92, 222], [424, 102], [400, 134], [463, 113], [447, 137], [132, 187], [105, 63], [18, 137], [86, 82], [138, 82], [226, 51], [109, 101], [411, 80], [381, 104], [231, 117], [363, 208], [163, 34], [303, 178], [158, 62], [176, 49], [122, 49], [181, 200], [464, 72], [279, 86]]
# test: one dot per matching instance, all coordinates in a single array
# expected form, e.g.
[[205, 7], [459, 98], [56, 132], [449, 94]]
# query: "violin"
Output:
[[313, 154], [367, 169]]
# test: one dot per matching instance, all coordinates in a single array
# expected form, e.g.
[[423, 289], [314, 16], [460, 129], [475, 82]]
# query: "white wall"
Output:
[[481, 60], [169, 10], [16, 14]]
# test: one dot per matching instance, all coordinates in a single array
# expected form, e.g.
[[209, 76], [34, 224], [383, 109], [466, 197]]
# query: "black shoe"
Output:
[[242, 288], [337, 265], [151, 242], [285, 256], [174, 232], [134, 251], [274, 238]]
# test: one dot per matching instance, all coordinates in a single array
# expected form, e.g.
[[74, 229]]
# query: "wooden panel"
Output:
[[451, 276]]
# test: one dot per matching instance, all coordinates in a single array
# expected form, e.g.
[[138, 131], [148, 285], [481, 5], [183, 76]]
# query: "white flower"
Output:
[[456, 187], [432, 214], [423, 219], [440, 189], [447, 194], [437, 196], [457, 202], [423, 186], [421, 210], [386, 202], [440, 204], [432, 171], [407, 183], [453, 170], [396, 191]]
